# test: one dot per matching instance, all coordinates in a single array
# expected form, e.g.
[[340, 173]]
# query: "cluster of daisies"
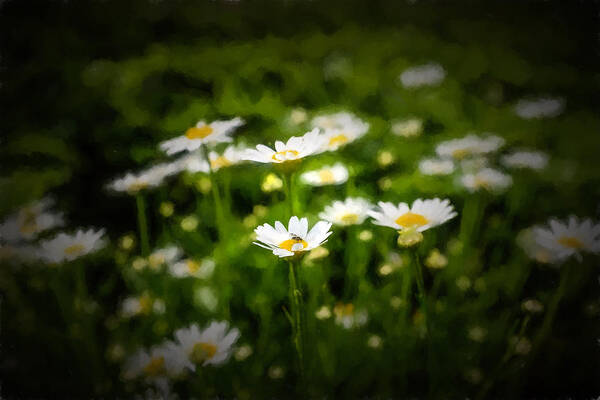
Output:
[[29, 234], [473, 156], [192, 347]]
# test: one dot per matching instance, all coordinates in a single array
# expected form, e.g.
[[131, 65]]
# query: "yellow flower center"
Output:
[[155, 367], [198, 133], [74, 249], [338, 140], [285, 155], [326, 176], [288, 244], [411, 219], [203, 351], [220, 162], [482, 183], [137, 186], [29, 224], [459, 154], [571, 242], [146, 303], [344, 310], [156, 260], [193, 266], [349, 219]]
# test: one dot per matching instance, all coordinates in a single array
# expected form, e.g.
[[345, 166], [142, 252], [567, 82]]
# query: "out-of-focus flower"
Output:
[[164, 256], [328, 175], [315, 254], [271, 183], [339, 129], [348, 317], [407, 128], [543, 107], [374, 342], [489, 179], [423, 75], [65, 247], [532, 306], [293, 151], [276, 372], [396, 302], [522, 345], [432, 166], [385, 183], [166, 209], [150, 178], [526, 239], [189, 223], [206, 298], [572, 237], [323, 313], [161, 362], [193, 162], [385, 158], [127, 242], [365, 235], [351, 211], [436, 260], [468, 146], [463, 283], [142, 305], [29, 221], [422, 215], [232, 155], [203, 184], [211, 346], [477, 334], [473, 375], [294, 240], [243, 352], [409, 237], [525, 159], [192, 268], [474, 164], [202, 133], [298, 116]]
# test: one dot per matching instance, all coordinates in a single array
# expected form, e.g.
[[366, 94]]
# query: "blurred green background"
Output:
[[89, 89]]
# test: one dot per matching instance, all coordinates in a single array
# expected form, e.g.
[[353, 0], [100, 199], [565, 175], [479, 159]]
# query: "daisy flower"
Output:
[[422, 215], [231, 156], [65, 247], [352, 211], [348, 317], [294, 150], [164, 256], [159, 363], [488, 178], [411, 127], [432, 166], [144, 304], [525, 159], [340, 129], [150, 178], [540, 108], [192, 268], [211, 346], [423, 75], [202, 133], [567, 238], [29, 221], [468, 146], [329, 175], [192, 162], [294, 240]]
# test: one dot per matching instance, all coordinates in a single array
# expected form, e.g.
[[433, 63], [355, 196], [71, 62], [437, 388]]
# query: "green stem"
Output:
[[288, 179], [551, 312], [297, 306], [215, 192], [142, 223], [422, 295]]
